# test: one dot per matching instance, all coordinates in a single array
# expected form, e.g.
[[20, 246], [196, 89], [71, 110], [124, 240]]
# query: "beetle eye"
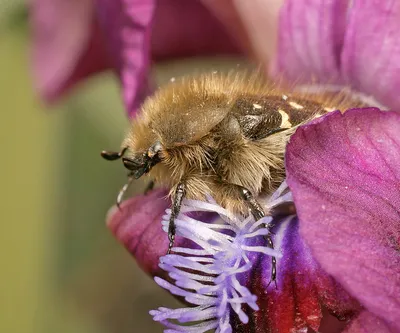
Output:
[[131, 164]]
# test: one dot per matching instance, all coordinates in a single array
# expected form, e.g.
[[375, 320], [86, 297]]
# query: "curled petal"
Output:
[[137, 227], [134, 33], [126, 27], [343, 172]]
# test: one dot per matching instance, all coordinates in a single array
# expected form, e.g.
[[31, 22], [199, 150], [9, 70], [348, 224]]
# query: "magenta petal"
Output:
[[66, 44], [371, 52], [344, 173], [138, 227], [310, 39], [367, 322], [126, 26]]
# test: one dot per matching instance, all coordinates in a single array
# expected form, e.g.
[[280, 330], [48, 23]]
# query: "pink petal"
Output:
[[354, 43], [371, 51], [310, 40], [343, 172], [66, 44], [367, 322], [187, 28], [138, 227], [252, 23]]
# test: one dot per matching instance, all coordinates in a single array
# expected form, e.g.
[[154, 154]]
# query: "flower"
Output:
[[341, 169], [229, 259], [345, 188]]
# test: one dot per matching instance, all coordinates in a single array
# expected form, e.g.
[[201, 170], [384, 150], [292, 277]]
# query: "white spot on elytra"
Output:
[[296, 106], [285, 120], [284, 97]]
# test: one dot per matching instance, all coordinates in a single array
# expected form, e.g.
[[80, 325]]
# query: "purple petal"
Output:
[[371, 52], [367, 322], [126, 26], [344, 175], [66, 45]]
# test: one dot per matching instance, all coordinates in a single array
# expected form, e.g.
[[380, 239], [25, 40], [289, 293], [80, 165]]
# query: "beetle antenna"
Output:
[[113, 155]]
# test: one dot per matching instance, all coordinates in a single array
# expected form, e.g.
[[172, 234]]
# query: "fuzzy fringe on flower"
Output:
[[210, 276]]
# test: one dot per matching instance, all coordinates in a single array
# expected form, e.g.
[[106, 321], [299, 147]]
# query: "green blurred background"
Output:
[[61, 270]]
